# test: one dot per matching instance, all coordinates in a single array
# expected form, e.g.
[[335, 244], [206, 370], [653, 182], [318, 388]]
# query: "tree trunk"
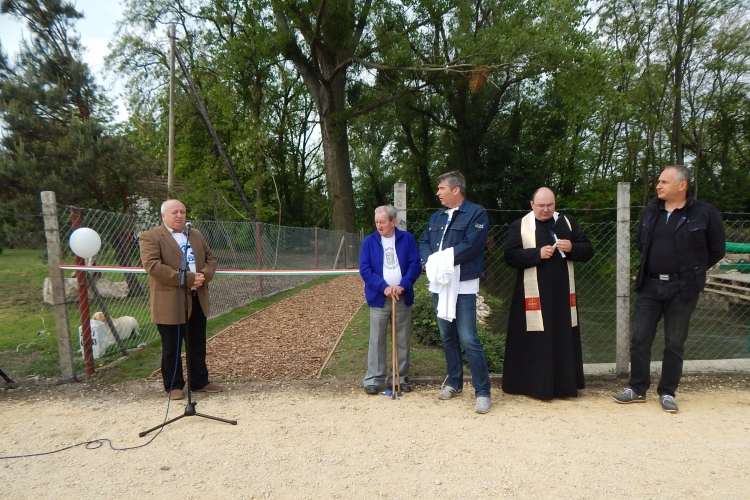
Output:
[[331, 35], [338, 173]]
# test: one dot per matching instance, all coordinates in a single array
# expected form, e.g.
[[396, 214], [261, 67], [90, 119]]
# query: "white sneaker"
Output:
[[483, 404], [448, 392]]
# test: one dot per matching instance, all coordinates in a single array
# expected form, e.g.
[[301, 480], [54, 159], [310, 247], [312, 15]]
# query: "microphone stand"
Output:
[[190, 407]]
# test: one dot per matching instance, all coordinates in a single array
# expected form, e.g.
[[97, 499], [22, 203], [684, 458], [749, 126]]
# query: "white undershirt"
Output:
[[468, 286], [181, 239], [391, 269]]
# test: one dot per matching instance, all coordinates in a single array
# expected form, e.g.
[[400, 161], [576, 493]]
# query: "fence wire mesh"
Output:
[[237, 245], [719, 338]]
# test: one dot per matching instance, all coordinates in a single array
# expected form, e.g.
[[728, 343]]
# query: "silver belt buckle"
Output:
[[664, 277]]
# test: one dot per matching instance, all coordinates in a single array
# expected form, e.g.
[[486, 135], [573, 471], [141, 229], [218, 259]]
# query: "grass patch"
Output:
[[22, 313], [350, 357], [427, 358], [28, 340]]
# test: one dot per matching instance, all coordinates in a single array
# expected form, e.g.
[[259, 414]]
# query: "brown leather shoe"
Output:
[[176, 394], [211, 388]]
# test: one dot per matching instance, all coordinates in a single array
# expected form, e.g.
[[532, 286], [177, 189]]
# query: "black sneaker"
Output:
[[667, 403], [406, 387], [629, 396], [372, 390]]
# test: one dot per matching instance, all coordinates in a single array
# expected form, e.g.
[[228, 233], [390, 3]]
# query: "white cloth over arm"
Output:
[[444, 280]]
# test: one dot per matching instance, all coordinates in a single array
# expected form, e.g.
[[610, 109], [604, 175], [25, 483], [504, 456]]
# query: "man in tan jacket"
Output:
[[162, 251]]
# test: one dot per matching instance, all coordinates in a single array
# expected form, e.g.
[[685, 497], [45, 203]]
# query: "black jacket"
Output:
[[699, 239]]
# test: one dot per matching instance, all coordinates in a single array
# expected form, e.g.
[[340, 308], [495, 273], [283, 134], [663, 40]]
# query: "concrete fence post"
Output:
[[399, 201], [54, 259], [622, 356]]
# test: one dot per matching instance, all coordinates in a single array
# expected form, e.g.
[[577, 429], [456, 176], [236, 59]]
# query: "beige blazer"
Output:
[[161, 257]]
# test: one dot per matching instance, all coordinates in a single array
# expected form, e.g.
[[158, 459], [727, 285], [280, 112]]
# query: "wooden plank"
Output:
[[739, 277], [729, 294], [721, 286]]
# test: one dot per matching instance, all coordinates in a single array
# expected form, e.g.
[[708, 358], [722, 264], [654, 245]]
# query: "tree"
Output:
[[331, 31], [261, 110], [491, 49], [55, 121]]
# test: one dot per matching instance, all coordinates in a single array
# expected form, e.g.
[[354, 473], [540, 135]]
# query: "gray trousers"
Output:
[[377, 364]]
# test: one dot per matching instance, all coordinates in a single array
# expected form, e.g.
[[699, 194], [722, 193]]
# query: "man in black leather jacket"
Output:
[[679, 238]]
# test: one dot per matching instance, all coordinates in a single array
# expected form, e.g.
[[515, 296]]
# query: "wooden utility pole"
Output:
[[170, 154]]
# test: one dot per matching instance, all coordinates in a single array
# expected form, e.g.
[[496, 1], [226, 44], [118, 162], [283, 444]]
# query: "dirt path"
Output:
[[327, 439], [288, 340]]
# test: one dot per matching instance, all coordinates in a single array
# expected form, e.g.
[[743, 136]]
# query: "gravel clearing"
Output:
[[327, 439]]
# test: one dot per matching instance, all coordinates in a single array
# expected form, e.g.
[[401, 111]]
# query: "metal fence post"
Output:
[[316, 248], [83, 301], [259, 255], [623, 278], [399, 200], [54, 259]]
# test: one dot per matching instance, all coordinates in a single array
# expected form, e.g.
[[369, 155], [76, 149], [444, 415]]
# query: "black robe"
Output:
[[544, 364]]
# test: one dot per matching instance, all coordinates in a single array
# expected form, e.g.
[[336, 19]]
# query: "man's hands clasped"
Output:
[[393, 291]]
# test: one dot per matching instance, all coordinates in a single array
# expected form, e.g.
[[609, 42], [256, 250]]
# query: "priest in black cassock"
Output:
[[543, 349]]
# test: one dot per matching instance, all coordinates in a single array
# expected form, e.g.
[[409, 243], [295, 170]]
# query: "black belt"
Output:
[[663, 277]]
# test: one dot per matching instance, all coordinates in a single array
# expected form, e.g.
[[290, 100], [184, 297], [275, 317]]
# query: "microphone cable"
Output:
[[95, 444]]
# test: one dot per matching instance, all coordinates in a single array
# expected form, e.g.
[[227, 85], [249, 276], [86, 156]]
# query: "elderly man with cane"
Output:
[[389, 265]]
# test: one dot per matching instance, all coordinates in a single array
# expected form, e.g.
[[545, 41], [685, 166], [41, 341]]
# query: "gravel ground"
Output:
[[327, 439]]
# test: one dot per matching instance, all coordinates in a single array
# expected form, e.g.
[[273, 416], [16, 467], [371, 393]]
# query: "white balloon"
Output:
[[85, 242]]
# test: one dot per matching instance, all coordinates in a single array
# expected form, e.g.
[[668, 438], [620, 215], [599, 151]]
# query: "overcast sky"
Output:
[[97, 29]]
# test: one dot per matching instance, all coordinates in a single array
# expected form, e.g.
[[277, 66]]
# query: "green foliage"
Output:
[[54, 119], [494, 348], [424, 327]]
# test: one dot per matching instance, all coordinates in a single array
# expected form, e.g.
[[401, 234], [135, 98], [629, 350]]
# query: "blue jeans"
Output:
[[656, 299], [463, 332]]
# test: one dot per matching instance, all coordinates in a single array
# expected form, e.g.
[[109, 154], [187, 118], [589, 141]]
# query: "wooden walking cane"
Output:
[[396, 377]]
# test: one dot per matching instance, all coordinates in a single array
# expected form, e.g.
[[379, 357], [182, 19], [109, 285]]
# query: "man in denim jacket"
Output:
[[679, 238], [389, 266], [462, 226]]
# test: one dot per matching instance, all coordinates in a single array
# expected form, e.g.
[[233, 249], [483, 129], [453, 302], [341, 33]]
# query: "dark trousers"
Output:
[[171, 341], [659, 298]]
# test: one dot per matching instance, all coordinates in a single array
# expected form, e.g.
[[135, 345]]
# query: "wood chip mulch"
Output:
[[289, 340]]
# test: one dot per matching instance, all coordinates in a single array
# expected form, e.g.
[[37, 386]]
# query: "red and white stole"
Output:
[[532, 302]]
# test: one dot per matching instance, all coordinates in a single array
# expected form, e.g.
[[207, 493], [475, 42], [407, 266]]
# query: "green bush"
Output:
[[424, 329], [494, 348]]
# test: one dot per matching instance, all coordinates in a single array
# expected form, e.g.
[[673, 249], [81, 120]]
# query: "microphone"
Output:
[[188, 225]]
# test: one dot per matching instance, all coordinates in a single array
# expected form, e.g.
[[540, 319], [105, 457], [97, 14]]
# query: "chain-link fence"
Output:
[[719, 337], [720, 328], [237, 245]]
